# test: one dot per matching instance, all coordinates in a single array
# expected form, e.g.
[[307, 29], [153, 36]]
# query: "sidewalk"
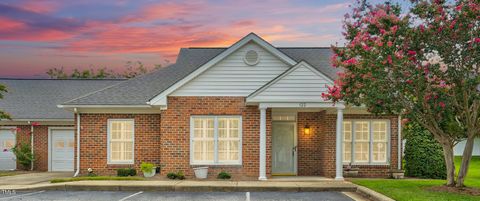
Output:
[[191, 186]]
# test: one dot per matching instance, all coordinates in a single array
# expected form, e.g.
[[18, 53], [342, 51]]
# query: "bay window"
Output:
[[120, 141], [215, 140], [366, 141]]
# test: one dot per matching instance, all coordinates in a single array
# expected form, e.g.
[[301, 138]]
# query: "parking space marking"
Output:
[[132, 195], [247, 195], [26, 194]]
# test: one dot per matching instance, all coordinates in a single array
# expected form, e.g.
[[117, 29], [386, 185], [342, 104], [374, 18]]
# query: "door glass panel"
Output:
[[283, 144]]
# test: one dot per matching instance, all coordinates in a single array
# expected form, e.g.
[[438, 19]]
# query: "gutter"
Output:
[[399, 143], [77, 172], [31, 143]]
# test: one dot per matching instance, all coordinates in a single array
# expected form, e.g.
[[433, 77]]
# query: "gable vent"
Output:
[[251, 58]]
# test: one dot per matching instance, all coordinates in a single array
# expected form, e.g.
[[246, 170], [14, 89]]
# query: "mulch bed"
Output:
[[464, 190]]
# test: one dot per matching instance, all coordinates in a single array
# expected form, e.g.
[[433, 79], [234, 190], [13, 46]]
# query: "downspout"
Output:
[[31, 143], [78, 143], [399, 145]]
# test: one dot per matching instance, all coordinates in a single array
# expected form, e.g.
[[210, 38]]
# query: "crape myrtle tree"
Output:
[[421, 63]]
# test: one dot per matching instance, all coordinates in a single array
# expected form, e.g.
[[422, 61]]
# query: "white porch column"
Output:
[[338, 149], [263, 145]]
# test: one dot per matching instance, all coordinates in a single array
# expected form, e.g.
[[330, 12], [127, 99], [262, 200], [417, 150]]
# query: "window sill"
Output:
[[367, 164], [216, 165]]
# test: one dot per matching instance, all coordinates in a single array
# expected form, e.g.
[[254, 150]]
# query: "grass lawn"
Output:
[[10, 173], [416, 189], [59, 180]]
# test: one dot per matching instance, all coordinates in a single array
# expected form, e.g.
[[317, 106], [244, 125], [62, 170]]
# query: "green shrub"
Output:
[[172, 175], [23, 152], [180, 175], [125, 172], [423, 154], [146, 167], [224, 175]]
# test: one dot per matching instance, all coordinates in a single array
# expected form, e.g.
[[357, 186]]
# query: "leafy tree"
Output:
[[24, 155], [3, 115], [133, 69], [422, 64]]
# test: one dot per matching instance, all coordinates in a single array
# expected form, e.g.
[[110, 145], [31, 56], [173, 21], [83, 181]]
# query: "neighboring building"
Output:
[[32, 105], [458, 150], [251, 109]]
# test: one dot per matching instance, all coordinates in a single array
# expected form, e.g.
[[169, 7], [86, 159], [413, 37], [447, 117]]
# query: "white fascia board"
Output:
[[302, 105], [251, 97], [157, 100]]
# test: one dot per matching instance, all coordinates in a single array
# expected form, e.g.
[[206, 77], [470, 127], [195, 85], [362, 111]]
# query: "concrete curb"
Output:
[[191, 186], [372, 195]]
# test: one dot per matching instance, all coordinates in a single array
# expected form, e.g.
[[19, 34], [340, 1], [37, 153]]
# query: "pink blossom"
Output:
[[351, 61], [405, 121], [442, 104], [382, 31], [476, 40], [412, 53], [366, 48], [409, 81], [389, 44], [389, 59], [459, 7], [394, 29]]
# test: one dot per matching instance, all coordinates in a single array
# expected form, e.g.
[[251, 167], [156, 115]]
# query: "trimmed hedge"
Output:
[[423, 154], [125, 172]]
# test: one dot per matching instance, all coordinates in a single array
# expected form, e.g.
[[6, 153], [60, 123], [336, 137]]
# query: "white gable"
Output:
[[233, 77], [301, 83]]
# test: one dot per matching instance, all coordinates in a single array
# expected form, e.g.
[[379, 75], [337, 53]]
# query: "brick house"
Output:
[[251, 109]]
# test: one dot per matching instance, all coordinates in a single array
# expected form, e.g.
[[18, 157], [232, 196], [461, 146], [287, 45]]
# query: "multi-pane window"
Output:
[[347, 141], [365, 141], [120, 141], [216, 140]]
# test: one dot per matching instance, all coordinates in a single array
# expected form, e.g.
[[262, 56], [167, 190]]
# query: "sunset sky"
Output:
[[36, 35]]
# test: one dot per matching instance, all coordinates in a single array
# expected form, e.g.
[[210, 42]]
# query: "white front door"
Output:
[[61, 149], [7, 142], [284, 147]]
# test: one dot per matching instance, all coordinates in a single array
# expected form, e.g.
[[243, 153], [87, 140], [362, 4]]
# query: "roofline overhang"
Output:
[[105, 106]]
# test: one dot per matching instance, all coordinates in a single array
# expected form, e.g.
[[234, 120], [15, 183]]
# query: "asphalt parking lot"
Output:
[[174, 196]]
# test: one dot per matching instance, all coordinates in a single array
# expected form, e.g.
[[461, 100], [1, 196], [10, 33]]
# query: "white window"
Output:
[[365, 141], [216, 140], [120, 141]]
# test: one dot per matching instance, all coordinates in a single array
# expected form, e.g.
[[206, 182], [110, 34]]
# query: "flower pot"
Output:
[[397, 174], [201, 172], [149, 174]]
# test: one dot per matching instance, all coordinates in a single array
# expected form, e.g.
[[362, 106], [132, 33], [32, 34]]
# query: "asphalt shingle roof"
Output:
[[139, 90], [38, 98]]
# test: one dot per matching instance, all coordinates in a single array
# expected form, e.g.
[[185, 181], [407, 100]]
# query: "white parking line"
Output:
[[135, 194], [248, 196], [26, 194]]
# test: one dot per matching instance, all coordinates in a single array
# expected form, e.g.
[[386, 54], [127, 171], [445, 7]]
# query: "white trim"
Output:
[[263, 145], [215, 130], [109, 161], [251, 97], [301, 105], [338, 145], [157, 100], [49, 147]]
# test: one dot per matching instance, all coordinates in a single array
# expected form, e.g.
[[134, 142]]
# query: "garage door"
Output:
[[61, 149], [7, 142]]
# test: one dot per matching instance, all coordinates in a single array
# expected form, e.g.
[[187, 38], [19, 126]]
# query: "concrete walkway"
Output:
[[190, 186], [32, 178]]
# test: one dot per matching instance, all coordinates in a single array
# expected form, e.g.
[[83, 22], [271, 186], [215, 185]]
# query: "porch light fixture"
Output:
[[306, 130]]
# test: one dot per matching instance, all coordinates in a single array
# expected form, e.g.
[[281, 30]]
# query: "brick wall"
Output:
[[93, 143], [309, 147], [175, 138]]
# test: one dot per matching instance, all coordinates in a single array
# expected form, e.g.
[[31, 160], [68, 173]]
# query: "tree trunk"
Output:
[[448, 155], [466, 157]]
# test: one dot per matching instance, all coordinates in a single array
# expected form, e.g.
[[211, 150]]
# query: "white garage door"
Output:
[[61, 150], [7, 142]]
